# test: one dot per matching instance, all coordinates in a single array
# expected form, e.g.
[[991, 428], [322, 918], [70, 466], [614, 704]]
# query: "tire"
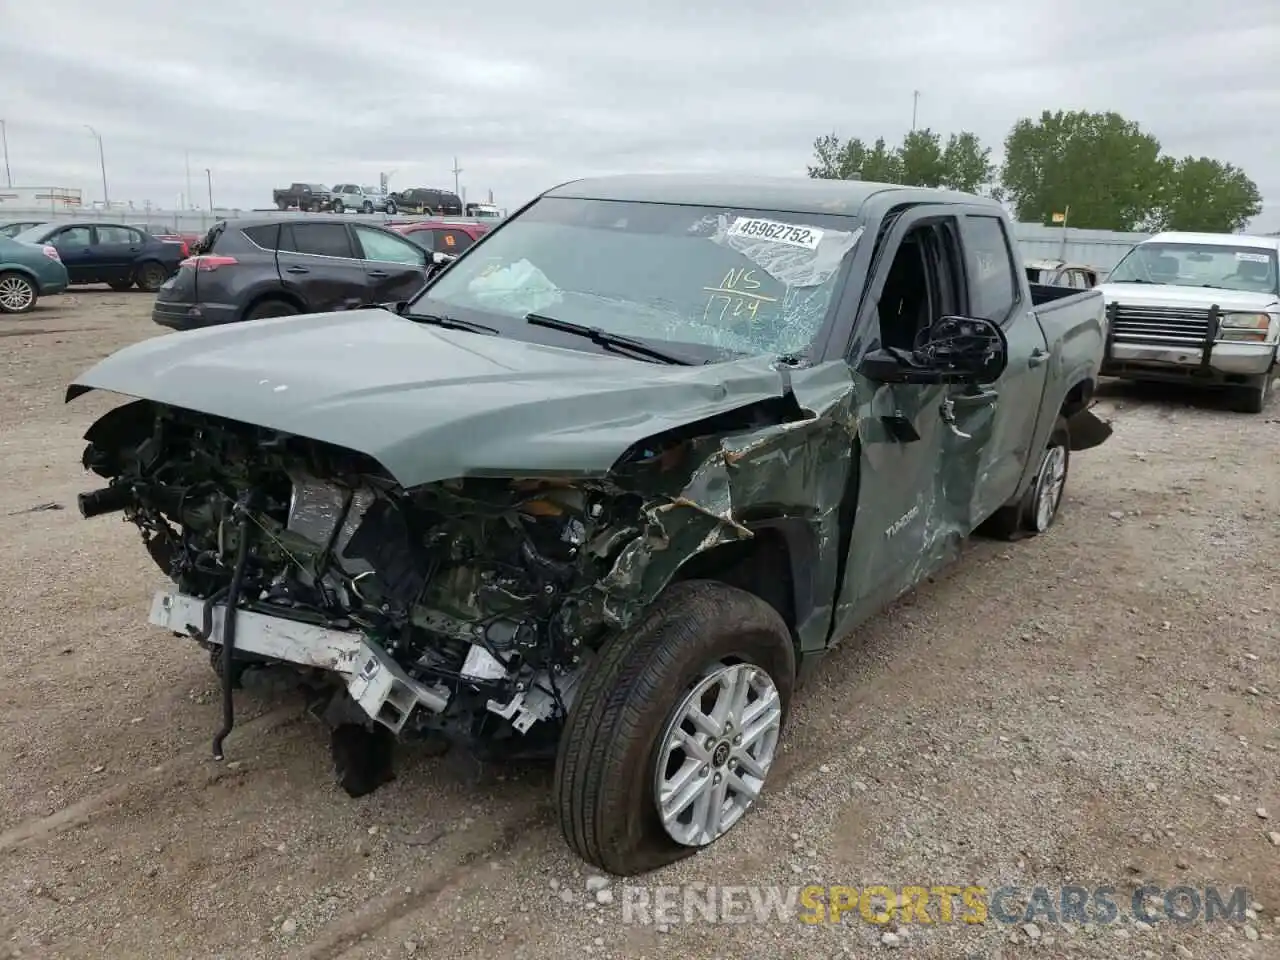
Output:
[[120, 286], [282, 204], [627, 708], [1039, 506], [338, 206], [150, 276], [271, 308], [392, 208], [1252, 397], [368, 207], [18, 293]]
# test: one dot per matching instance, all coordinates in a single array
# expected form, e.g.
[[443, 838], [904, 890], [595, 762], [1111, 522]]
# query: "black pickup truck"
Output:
[[308, 197], [612, 483]]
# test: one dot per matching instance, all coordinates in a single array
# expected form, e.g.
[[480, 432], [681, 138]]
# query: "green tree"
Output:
[[920, 160], [854, 160], [1103, 166], [1206, 195], [968, 164]]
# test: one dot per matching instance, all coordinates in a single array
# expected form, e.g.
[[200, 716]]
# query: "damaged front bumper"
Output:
[[374, 680]]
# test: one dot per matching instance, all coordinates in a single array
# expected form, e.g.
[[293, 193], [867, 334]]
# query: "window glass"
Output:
[[386, 248], [319, 239], [991, 286], [1186, 264], [264, 236], [451, 241], [741, 280], [122, 235], [73, 237], [422, 238]]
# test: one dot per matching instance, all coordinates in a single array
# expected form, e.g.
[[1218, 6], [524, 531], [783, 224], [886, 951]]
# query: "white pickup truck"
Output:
[[1197, 308]]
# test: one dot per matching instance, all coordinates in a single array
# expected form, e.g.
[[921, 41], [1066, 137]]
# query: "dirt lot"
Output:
[[1095, 707]]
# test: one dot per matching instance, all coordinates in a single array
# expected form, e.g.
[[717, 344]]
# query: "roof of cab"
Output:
[[783, 194], [1216, 239]]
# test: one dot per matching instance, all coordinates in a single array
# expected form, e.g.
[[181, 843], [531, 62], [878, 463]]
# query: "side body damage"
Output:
[[472, 604]]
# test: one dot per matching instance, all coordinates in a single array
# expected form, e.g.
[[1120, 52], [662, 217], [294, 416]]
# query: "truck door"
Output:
[[986, 448], [899, 533]]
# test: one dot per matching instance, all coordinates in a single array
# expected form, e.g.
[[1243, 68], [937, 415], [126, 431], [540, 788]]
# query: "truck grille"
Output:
[[1175, 326]]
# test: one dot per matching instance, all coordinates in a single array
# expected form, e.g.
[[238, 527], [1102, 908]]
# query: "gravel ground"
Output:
[[1097, 706]]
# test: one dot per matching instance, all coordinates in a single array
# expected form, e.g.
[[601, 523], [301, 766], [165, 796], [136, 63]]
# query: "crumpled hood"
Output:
[[427, 403], [1170, 295]]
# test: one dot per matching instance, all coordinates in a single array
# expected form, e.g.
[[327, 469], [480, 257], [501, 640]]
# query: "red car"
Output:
[[162, 232], [441, 235]]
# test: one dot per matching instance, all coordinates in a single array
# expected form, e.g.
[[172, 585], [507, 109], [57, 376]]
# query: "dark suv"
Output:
[[425, 200], [275, 266]]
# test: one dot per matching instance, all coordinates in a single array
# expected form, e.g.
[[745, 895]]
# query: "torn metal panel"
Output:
[[796, 468]]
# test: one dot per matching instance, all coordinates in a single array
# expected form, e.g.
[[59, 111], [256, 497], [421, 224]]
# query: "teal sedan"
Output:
[[28, 272]]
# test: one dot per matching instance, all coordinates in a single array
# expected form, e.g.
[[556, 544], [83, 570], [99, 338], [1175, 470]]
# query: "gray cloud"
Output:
[[529, 95]]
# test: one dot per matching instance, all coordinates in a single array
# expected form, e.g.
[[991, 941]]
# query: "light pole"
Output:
[[4, 137], [208, 179], [102, 160], [915, 105], [456, 170]]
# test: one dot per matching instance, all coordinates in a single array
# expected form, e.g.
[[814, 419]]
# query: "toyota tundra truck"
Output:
[[611, 485], [1201, 309]]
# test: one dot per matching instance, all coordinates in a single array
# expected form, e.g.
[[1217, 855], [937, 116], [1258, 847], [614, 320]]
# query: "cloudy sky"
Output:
[[527, 95]]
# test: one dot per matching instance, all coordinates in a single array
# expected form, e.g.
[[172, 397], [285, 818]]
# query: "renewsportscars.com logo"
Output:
[[927, 905]]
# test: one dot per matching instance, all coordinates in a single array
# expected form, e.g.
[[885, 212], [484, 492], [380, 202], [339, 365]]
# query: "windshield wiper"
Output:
[[611, 341], [449, 323]]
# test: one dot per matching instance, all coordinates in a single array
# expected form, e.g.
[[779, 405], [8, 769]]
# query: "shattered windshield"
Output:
[[746, 281], [1248, 269]]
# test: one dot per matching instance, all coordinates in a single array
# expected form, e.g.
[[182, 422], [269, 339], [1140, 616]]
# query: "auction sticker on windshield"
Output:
[[755, 228], [1253, 257]]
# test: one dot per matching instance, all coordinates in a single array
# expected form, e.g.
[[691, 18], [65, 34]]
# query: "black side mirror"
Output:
[[952, 350]]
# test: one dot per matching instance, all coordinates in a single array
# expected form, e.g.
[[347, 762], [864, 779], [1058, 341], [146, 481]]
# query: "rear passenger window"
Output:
[[265, 236], [452, 241], [992, 289], [423, 238], [319, 240]]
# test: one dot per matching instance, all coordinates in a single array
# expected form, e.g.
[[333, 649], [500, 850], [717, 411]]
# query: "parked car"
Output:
[[1060, 273], [12, 228], [162, 231], [111, 253], [350, 196], [613, 482], [426, 200], [1202, 309], [442, 236], [308, 197], [27, 273], [272, 267]]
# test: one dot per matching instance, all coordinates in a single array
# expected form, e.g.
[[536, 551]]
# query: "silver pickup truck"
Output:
[[1197, 308]]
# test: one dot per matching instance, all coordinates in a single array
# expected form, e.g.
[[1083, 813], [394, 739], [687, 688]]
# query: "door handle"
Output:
[[985, 398], [1037, 357], [379, 274], [296, 270]]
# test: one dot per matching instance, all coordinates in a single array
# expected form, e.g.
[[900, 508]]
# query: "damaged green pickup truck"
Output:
[[611, 483]]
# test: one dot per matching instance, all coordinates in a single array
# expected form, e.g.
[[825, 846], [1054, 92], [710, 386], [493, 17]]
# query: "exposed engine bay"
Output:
[[478, 602]]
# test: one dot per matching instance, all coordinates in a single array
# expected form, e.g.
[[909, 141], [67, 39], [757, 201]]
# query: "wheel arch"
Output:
[[276, 293], [23, 271], [775, 564]]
